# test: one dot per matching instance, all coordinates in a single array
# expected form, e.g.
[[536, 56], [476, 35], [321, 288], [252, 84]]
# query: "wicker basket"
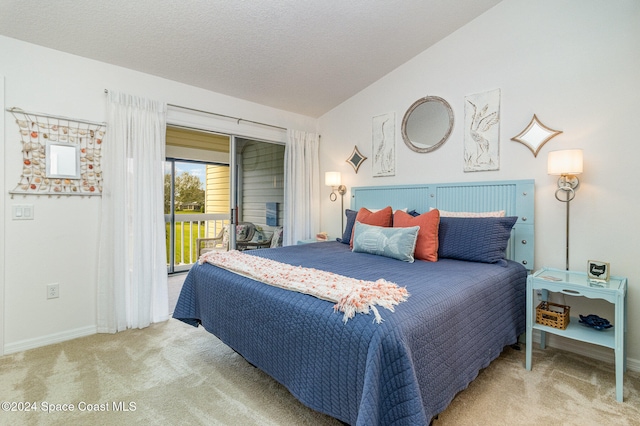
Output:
[[552, 315]]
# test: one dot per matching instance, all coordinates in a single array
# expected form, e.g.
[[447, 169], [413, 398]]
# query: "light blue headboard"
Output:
[[515, 197]]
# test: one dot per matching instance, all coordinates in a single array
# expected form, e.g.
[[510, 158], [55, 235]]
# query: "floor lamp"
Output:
[[334, 180], [566, 163]]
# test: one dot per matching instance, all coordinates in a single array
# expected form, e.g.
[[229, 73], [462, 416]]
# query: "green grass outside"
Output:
[[188, 245]]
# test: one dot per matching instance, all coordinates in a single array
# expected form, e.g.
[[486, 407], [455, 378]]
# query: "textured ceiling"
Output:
[[304, 56]]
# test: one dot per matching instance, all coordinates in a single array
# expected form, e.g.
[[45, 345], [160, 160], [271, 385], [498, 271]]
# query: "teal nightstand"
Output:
[[577, 284]]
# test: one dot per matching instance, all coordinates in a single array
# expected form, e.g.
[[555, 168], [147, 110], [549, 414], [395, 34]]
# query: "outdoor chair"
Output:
[[275, 240], [244, 234]]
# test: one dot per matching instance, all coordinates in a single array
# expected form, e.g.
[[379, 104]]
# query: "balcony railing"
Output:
[[187, 229]]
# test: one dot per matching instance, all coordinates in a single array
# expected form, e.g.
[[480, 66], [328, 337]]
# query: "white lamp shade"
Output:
[[332, 179], [565, 162]]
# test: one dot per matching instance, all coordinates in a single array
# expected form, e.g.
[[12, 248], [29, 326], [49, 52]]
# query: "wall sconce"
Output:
[[566, 163], [334, 180]]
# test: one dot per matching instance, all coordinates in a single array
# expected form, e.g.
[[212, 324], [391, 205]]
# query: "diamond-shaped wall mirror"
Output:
[[535, 135], [356, 159]]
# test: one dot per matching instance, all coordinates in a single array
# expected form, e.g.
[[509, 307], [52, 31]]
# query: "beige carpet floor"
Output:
[[173, 374], [174, 285]]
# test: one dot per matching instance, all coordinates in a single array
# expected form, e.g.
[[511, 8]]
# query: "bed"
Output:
[[405, 370]]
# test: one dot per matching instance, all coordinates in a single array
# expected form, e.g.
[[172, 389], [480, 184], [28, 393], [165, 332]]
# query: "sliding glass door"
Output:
[[196, 206], [214, 182], [260, 186]]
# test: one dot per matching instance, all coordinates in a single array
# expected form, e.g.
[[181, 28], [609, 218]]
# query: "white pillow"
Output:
[[395, 210], [444, 213]]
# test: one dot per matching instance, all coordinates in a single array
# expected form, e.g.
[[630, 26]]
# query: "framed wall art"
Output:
[[60, 155], [384, 145], [482, 131]]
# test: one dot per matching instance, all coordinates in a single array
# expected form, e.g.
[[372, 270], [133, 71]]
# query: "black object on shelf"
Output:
[[594, 321]]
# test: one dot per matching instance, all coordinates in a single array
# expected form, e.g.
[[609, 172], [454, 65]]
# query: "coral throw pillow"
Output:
[[427, 244], [383, 217]]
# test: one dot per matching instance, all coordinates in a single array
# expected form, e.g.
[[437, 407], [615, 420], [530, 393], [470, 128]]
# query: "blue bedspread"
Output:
[[459, 317]]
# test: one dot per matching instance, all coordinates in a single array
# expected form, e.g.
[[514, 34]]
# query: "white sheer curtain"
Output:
[[301, 186], [132, 274]]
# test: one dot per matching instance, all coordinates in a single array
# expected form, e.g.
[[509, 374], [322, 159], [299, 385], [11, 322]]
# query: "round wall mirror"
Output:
[[427, 124]]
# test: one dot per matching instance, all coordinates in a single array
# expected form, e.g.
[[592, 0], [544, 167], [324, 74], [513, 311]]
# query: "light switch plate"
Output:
[[22, 212]]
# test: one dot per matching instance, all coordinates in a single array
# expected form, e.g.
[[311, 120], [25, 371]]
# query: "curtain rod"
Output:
[[221, 115], [16, 110]]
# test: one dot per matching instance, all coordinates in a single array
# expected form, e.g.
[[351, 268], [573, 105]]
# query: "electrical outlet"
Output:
[[53, 291]]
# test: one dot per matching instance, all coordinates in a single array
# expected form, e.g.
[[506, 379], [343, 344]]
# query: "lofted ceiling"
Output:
[[303, 56]]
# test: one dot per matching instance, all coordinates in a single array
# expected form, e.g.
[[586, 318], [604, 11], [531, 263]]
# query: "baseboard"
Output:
[[50, 339], [592, 351]]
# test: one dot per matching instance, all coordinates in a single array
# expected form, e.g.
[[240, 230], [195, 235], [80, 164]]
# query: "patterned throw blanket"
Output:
[[350, 295]]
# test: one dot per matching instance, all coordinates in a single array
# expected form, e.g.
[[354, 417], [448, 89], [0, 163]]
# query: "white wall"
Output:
[[576, 64], [60, 245], [2, 209]]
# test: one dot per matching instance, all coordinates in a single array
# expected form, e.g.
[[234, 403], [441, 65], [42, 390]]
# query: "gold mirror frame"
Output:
[[535, 135], [356, 159]]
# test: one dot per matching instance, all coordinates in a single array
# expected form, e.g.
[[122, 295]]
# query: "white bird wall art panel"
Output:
[[482, 131], [384, 145]]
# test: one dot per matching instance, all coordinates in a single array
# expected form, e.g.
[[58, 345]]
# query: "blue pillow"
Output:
[[396, 243], [477, 239], [351, 220]]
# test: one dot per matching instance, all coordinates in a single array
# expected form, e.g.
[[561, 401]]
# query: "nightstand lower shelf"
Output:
[[577, 331]]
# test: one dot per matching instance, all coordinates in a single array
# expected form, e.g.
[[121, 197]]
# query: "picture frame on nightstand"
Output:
[[598, 271]]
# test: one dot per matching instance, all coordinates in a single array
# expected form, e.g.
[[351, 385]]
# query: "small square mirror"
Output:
[[63, 160]]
